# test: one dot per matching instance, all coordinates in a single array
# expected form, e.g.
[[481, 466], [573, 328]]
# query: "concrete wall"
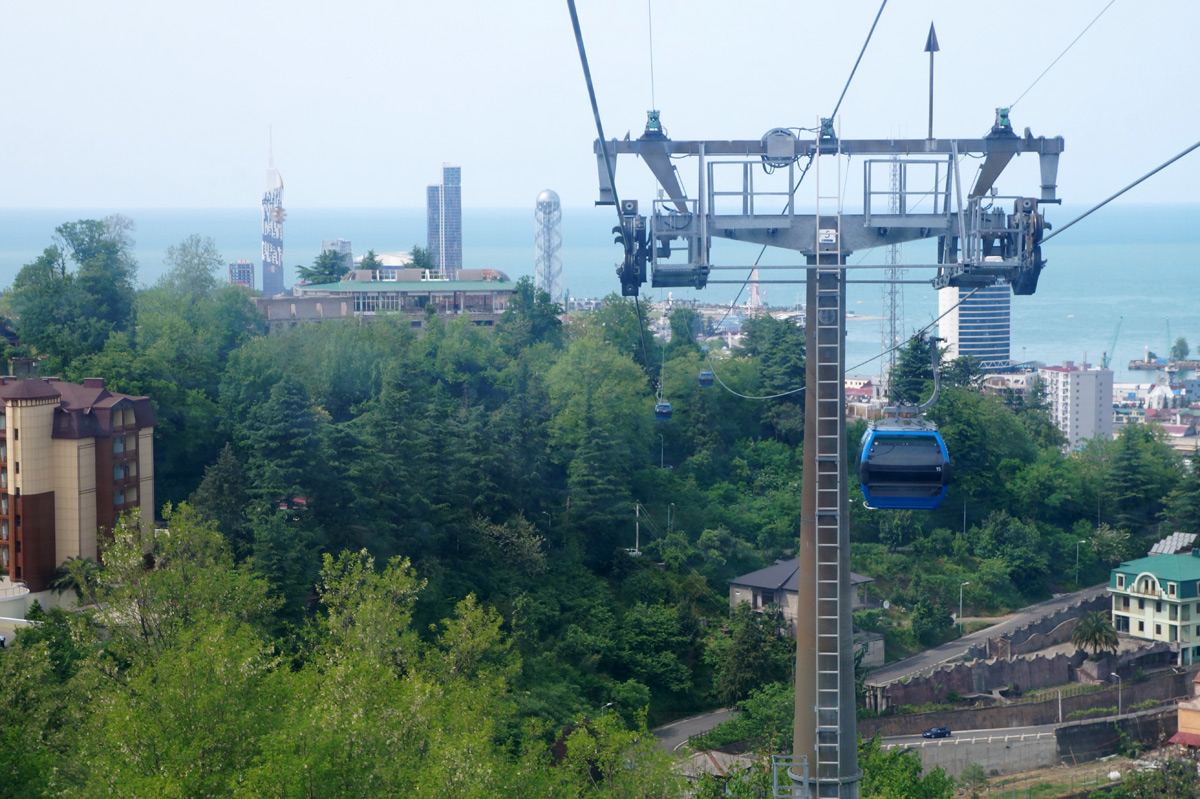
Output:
[[1084, 741], [1046, 631], [998, 754], [1170, 685], [980, 677], [1079, 742]]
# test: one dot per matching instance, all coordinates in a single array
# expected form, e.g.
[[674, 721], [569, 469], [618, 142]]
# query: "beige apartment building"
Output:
[[72, 458]]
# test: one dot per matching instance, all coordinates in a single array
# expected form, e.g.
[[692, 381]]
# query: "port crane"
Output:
[[1112, 345], [912, 190]]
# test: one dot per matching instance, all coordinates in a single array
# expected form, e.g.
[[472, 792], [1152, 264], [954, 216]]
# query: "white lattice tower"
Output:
[[547, 265]]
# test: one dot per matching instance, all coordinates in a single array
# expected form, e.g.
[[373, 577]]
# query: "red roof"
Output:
[[1185, 738]]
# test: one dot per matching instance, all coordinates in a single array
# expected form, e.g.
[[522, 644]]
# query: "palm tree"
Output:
[[1095, 632], [75, 574]]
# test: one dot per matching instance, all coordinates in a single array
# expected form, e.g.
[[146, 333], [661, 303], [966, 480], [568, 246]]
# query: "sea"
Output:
[[1133, 265]]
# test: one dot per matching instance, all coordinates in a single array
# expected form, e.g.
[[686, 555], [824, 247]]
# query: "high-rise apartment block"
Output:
[[241, 273], [341, 247], [1080, 400], [72, 458], [978, 324], [444, 223]]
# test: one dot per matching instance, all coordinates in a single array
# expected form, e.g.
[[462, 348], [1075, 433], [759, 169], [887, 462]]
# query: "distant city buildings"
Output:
[[272, 233], [1080, 400], [241, 273], [72, 458], [341, 247], [978, 325], [547, 240], [444, 223], [480, 294]]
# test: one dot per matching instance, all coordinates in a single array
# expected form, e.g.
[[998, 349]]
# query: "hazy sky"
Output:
[[128, 104]]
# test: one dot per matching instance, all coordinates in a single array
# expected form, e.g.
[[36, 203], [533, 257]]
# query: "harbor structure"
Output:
[[977, 321], [547, 240], [241, 273], [1080, 400], [444, 222], [273, 216]]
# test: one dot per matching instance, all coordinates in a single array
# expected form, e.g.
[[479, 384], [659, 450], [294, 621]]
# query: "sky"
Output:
[[128, 104]]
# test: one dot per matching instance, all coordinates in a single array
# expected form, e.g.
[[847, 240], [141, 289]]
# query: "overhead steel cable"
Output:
[[1060, 55], [612, 181], [878, 14], [1100, 205]]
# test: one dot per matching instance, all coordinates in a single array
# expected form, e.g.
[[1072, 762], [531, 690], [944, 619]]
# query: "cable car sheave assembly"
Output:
[[903, 463], [982, 238]]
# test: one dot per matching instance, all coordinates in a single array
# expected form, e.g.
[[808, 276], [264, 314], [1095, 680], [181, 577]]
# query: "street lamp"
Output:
[[1077, 543], [960, 594], [662, 446], [1118, 676]]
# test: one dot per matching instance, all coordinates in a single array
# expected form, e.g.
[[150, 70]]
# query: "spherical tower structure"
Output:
[[547, 266]]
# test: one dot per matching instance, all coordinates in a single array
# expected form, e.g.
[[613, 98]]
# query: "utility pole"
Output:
[[960, 606], [1077, 543]]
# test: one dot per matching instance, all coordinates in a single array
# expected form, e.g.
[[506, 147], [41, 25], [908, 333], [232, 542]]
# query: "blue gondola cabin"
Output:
[[662, 411], [903, 466], [706, 378]]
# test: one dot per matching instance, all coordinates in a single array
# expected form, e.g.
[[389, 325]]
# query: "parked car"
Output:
[[936, 732]]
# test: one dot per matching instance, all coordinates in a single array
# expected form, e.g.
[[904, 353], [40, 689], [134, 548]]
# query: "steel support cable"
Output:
[[612, 182], [916, 335], [1103, 203], [1060, 55], [800, 180]]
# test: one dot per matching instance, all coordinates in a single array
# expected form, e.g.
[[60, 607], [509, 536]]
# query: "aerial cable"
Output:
[[612, 182], [650, 25], [811, 155], [874, 358], [1100, 205], [916, 335], [860, 55], [1063, 53]]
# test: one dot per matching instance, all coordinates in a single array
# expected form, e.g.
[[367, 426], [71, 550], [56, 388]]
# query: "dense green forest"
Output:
[[398, 564]]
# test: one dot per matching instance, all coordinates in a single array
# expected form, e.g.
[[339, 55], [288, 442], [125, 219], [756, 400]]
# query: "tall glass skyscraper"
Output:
[[272, 233], [981, 325], [444, 221]]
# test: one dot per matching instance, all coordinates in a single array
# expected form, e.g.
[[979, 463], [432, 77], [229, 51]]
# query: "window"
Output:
[[119, 497], [1170, 589], [1158, 607], [1125, 603], [3, 529], [768, 597], [1173, 613], [118, 444], [1141, 604], [1120, 581], [1158, 629], [1141, 626]]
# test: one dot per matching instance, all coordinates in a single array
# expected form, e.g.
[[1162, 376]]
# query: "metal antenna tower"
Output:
[[893, 291], [547, 263]]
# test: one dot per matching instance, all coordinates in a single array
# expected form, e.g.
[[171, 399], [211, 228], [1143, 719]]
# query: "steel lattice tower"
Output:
[[547, 264], [893, 292]]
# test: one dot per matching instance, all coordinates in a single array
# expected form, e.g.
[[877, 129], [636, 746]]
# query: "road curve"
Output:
[[672, 736]]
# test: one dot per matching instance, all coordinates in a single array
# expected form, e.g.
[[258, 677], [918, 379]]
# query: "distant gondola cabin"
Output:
[[706, 378]]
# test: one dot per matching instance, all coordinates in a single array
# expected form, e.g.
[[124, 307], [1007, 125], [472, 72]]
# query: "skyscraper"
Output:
[[980, 325], [547, 239], [444, 220], [272, 232], [342, 247], [241, 273]]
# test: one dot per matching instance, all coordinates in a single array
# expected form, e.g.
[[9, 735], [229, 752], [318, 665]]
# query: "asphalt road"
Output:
[[916, 739], [672, 736], [959, 646]]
